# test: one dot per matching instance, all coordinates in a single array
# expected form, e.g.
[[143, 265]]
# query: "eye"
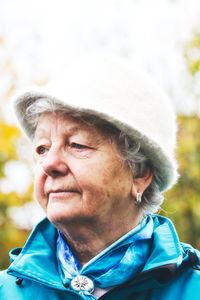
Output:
[[78, 146], [41, 150]]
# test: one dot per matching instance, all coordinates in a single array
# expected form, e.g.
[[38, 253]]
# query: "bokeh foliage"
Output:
[[192, 53], [10, 236], [182, 204]]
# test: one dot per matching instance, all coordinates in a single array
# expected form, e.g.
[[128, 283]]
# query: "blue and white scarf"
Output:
[[114, 265]]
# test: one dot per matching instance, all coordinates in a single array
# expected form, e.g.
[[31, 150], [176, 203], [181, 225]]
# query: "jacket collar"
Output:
[[166, 247], [37, 260], [41, 265]]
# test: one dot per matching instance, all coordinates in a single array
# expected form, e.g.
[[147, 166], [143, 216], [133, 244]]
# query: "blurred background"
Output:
[[39, 39]]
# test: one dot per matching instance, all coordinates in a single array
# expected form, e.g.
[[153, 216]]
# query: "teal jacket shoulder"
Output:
[[172, 270]]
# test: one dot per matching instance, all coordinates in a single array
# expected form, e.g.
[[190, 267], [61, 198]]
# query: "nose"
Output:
[[54, 164]]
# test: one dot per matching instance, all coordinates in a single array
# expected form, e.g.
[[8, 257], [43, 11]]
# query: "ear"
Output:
[[140, 184]]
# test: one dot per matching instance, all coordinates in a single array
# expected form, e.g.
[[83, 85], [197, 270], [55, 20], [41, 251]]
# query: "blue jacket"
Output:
[[170, 273]]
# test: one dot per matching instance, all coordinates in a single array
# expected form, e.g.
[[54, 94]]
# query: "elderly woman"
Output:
[[103, 137]]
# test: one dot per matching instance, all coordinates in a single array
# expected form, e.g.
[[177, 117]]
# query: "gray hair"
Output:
[[131, 152]]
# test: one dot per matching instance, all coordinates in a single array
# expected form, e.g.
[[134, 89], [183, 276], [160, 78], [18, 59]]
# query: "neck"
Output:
[[88, 240]]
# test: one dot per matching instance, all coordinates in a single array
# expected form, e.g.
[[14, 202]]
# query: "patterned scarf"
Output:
[[113, 266]]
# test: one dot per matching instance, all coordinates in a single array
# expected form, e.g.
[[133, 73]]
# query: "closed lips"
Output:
[[63, 191]]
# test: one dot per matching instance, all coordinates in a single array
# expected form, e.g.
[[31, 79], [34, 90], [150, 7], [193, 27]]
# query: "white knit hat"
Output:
[[107, 87]]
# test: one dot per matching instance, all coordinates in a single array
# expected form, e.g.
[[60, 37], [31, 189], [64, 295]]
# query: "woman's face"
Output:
[[79, 174]]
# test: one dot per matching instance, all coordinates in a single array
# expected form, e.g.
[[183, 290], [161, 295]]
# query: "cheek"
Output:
[[39, 181], [116, 180], [101, 179]]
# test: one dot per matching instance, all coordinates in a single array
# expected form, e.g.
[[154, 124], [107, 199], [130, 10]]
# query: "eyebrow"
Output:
[[69, 131]]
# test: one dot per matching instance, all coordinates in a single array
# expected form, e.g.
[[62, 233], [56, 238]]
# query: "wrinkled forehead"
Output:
[[73, 125]]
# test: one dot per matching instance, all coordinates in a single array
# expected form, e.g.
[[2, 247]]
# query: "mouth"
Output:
[[60, 192]]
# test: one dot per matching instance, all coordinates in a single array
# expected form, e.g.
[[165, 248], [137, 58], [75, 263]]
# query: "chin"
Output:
[[62, 216], [59, 216], [66, 217]]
